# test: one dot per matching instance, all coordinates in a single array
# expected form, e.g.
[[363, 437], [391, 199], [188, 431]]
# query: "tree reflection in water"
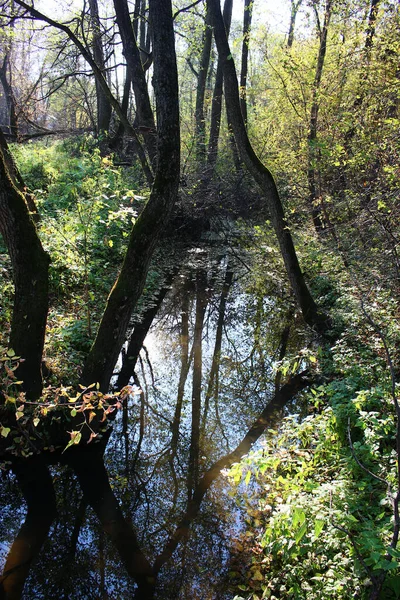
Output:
[[208, 391]]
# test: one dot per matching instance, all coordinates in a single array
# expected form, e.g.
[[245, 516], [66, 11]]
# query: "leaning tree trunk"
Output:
[[262, 175], [30, 273], [147, 229]]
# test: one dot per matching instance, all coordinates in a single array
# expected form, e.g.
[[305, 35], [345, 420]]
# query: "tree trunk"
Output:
[[262, 175], [30, 273], [216, 107], [147, 229], [294, 9], [132, 55], [247, 14], [200, 95], [314, 195], [9, 96], [103, 105]]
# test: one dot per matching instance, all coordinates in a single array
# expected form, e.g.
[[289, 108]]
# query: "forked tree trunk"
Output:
[[147, 229], [262, 175]]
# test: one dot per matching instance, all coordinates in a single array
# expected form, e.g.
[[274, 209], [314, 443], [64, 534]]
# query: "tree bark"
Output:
[[200, 94], [216, 107], [10, 100], [314, 197], [132, 55], [294, 9], [147, 229], [30, 273], [103, 105], [244, 67], [263, 177]]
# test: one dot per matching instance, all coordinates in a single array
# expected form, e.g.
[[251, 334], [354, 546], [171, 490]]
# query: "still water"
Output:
[[204, 374]]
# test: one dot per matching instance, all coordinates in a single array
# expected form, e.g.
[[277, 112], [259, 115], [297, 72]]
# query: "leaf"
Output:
[[318, 527], [36, 422], [257, 575], [301, 532], [5, 431], [247, 478], [299, 517], [76, 437], [10, 353]]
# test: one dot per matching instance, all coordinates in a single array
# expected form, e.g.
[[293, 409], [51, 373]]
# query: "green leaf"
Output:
[[5, 431], [300, 533], [318, 527], [10, 353], [247, 478]]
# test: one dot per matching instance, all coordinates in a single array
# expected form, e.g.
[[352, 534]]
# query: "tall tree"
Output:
[[244, 67], [201, 91], [145, 117], [216, 107], [294, 9], [147, 229], [103, 104], [312, 315], [315, 197]]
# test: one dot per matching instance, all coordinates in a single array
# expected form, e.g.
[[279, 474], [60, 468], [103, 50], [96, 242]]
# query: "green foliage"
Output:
[[88, 207], [58, 420], [319, 510]]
